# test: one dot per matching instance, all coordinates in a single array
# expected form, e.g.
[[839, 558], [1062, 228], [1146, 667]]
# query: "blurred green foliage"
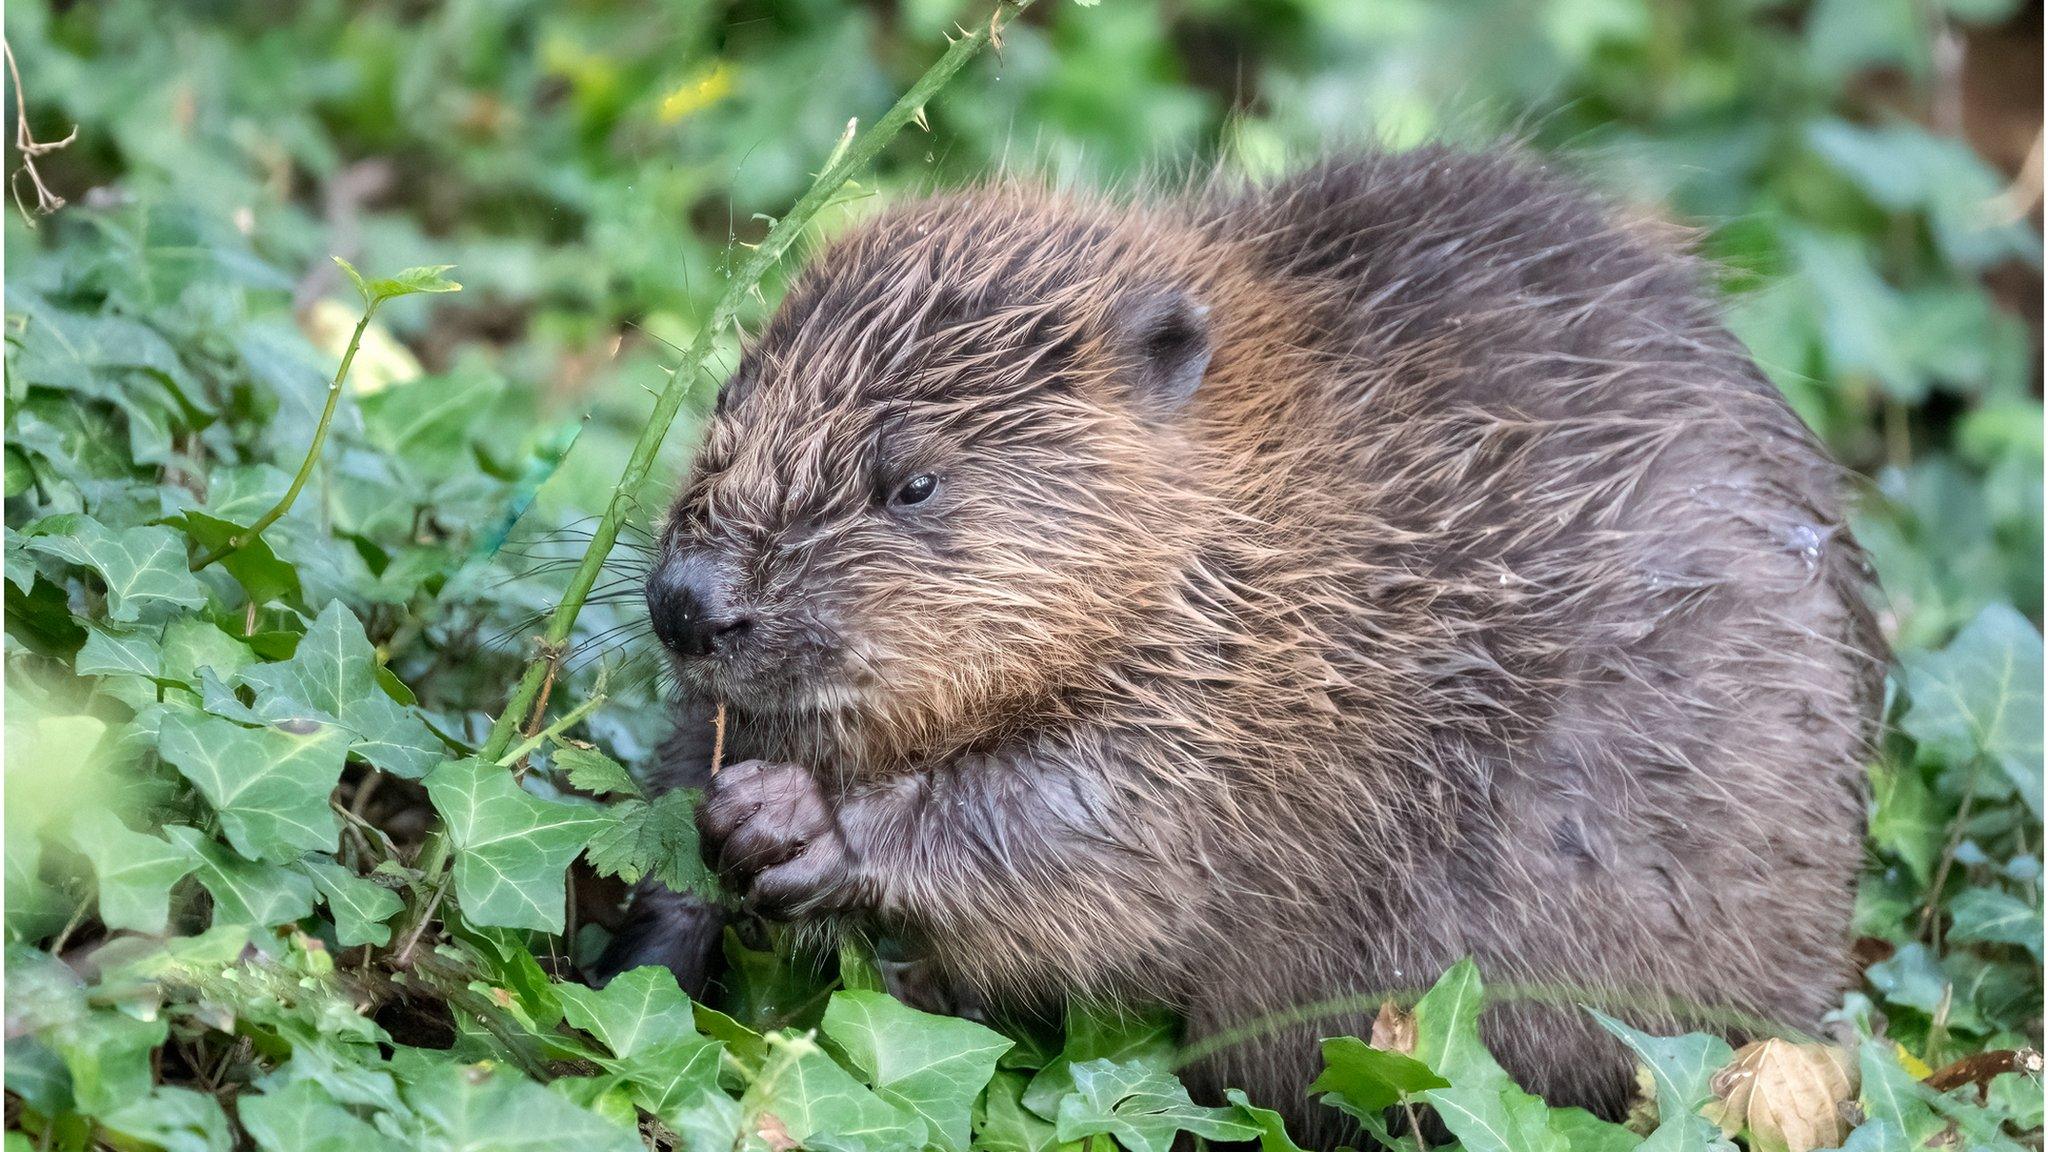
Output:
[[591, 168]]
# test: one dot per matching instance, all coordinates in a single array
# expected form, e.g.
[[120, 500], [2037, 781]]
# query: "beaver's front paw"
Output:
[[772, 835]]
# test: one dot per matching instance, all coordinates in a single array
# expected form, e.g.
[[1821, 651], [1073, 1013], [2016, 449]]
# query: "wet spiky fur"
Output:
[[1483, 599]]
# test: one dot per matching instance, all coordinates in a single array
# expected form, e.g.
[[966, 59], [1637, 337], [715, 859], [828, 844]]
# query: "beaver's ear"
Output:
[[1166, 337]]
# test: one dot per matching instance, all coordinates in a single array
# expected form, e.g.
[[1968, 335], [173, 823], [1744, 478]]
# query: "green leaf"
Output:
[[494, 1109], [1365, 1081], [426, 278], [135, 870], [1990, 916], [258, 895], [934, 1066], [1008, 1126], [1142, 1108], [1147, 1038], [302, 1117], [511, 848], [1447, 1029], [270, 786], [1682, 1067], [657, 838], [111, 650], [592, 771], [1893, 1098], [1981, 694], [332, 677], [360, 906], [639, 1010], [820, 1106], [173, 1119], [1272, 1128], [1494, 1119], [108, 1056], [1585, 1132], [141, 566], [191, 643]]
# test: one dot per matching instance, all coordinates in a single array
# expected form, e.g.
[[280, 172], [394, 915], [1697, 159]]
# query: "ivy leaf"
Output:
[[135, 870], [301, 1117], [360, 906], [1365, 1081], [639, 1010], [1982, 695], [934, 1066], [818, 1105], [592, 771], [332, 677], [1993, 917], [511, 848], [1142, 1108], [478, 1106], [111, 650], [141, 566], [1128, 1037], [426, 278], [270, 786], [174, 1119], [657, 838], [258, 895], [1008, 1126], [1893, 1099], [191, 643]]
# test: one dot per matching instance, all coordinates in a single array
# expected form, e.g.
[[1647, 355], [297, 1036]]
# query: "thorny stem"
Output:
[[567, 722], [241, 540], [785, 232]]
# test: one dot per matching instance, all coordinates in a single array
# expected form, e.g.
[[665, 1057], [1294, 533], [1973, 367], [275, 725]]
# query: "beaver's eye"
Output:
[[916, 490]]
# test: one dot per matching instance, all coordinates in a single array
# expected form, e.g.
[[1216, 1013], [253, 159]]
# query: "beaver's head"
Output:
[[946, 480]]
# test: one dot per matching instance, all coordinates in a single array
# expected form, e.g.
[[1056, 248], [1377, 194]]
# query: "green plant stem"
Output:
[[567, 722], [240, 540], [849, 160]]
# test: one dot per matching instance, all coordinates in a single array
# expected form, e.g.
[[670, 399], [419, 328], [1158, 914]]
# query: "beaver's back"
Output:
[[1603, 562]]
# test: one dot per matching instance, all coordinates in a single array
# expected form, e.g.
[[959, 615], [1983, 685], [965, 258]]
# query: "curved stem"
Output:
[[240, 540]]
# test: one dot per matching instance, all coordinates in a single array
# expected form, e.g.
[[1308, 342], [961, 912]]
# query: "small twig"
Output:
[[70, 926], [1984, 1067], [553, 654], [242, 539], [30, 148], [403, 957], [1414, 1125], [1930, 921], [718, 739]]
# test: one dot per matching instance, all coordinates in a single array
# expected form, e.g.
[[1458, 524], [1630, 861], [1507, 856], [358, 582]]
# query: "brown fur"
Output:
[[1483, 599]]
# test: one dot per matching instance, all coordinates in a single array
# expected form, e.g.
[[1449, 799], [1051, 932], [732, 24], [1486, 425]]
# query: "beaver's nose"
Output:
[[690, 602]]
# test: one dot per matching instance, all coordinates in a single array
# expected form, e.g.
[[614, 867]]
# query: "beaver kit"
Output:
[[1275, 594]]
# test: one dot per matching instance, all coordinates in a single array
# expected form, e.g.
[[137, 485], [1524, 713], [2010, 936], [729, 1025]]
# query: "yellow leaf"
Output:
[[707, 87], [1788, 1096]]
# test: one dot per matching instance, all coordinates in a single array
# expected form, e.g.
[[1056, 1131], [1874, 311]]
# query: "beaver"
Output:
[[1241, 599]]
